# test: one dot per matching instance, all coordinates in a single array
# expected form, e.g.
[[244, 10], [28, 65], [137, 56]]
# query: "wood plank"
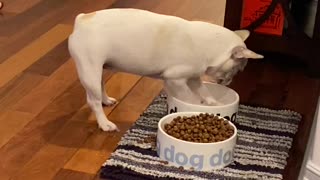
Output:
[[51, 61], [3, 39], [99, 146], [94, 151], [167, 7], [47, 162], [86, 160], [17, 88], [79, 160], [36, 21], [3, 174], [19, 6], [205, 13], [30, 54], [146, 5], [158, 6], [97, 177], [21, 148], [11, 123], [87, 8], [122, 84], [71, 136], [5, 16], [188, 9], [47, 91], [41, 10], [65, 174], [42, 128], [124, 3], [43, 95]]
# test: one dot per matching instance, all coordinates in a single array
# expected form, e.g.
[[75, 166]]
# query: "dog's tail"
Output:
[[83, 18], [78, 20]]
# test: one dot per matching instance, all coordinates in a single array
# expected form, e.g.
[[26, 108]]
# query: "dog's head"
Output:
[[236, 61]]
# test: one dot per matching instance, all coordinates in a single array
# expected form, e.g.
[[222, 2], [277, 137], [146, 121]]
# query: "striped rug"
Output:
[[264, 139]]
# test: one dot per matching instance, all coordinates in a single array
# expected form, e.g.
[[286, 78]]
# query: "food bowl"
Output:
[[193, 155], [227, 96]]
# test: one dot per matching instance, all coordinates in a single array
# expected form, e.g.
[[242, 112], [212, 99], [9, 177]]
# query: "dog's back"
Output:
[[147, 42]]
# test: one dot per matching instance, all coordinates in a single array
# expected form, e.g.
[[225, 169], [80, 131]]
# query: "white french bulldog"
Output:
[[161, 46]]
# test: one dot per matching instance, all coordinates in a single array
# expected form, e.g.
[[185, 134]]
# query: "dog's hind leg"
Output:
[[90, 76], [90, 67], [106, 100]]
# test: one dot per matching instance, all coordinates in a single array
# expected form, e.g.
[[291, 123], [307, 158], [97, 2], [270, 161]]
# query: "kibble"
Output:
[[203, 128]]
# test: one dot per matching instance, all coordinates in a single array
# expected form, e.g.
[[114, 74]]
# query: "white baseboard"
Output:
[[312, 171]]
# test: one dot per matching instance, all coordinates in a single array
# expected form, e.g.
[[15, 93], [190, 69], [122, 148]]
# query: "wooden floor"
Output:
[[47, 130]]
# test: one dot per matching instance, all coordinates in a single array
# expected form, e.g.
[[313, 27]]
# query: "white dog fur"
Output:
[[161, 46]]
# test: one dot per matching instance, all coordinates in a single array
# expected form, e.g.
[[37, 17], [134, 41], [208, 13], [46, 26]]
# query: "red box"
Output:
[[253, 9]]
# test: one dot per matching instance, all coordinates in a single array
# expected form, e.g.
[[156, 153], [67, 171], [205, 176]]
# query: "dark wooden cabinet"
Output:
[[293, 43]]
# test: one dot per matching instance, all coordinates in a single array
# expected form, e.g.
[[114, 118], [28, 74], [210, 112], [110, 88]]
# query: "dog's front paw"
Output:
[[212, 102], [108, 126], [109, 101]]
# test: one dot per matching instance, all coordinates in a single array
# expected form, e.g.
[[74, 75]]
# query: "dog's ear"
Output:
[[244, 34], [244, 53]]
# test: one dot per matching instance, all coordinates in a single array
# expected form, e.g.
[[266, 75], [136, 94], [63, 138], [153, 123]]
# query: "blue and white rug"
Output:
[[264, 139]]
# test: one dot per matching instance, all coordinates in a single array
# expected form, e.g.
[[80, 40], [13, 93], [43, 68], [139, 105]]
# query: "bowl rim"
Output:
[[208, 106], [194, 143]]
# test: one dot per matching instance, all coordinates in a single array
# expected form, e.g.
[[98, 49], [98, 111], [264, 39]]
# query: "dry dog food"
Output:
[[202, 128]]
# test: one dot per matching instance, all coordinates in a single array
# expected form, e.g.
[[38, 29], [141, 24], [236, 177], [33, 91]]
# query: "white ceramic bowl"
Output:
[[200, 156], [224, 94]]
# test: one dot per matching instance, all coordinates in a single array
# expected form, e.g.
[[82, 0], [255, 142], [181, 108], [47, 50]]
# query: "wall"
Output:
[[310, 169]]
